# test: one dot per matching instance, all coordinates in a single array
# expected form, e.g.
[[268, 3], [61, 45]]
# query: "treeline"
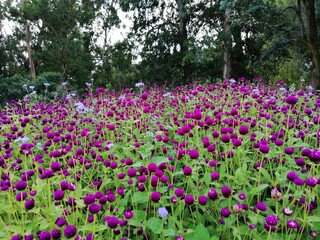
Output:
[[169, 42]]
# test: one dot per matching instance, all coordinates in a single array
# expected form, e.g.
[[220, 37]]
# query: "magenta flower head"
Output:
[[58, 195], [212, 194], [312, 181], [264, 148], [155, 197], [291, 100], [194, 154], [243, 130], [271, 220], [292, 224], [225, 212], [94, 208], [215, 176], [113, 222], [61, 222], [187, 171], [261, 206], [21, 185], [226, 191], [179, 192], [29, 204], [70, 231], [189, 199], [291, 176], [45, 236], [203, 200], [89, 199]]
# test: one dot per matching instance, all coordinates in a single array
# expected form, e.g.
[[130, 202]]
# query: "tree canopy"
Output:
[[169, 41]]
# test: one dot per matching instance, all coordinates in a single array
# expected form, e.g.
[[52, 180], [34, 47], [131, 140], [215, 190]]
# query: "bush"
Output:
[[11, 88]]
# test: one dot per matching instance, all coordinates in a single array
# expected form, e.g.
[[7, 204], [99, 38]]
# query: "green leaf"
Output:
[[158, 160], [155, 225], [168, 232], [139, 215], [140, 197], [200, 232], [259, 188]]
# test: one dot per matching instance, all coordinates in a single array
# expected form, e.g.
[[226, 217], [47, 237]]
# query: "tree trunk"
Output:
[[29, 50], [312, 40], [183, 40], [228, 45]]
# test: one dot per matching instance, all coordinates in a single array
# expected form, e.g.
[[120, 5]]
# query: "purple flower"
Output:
[[45, 236], [21, 196], [212, 194], [128, 214], [242, 196], [187, 171], [287, 211], [162, 211], [94, 208], [21, 185], [113, 222], [226, 191], [29, 204], [70, 231], [264, 148], [58, 195], [243, 129], [203, 200], [215, 176], [60, 222], [16, 237], [225, 212], [292, 224], [155, 196], [312, 182], [179, 192], [89, 199], [261, 206], [132, 172], [291, 176], [272, 220], [189, 199], [55, 234], [194, 154], [291, 100], [298, 181]]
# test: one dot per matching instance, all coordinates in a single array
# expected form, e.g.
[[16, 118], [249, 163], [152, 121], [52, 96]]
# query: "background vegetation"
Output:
[[169, 42]]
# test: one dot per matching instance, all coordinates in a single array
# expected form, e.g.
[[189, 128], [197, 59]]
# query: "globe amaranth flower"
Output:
[[61, 222], [58, 195], [162, 211], [264, 148], [242, 196], [243, 129], [45, 236], [128, 214], [271, 220], [292, 224], [287, 211], [225, 212], [226, 191], [212, 194], [261, 206], [89, 199], [55, 234], [179, 192], [203, 200], [112, 222], [291, 176], [312, 182], [70, 231], [215, 176], [155, 196], [21, 185], [291, 100], [187, 171], [189, 199], [29, 204], [276, 194], [194, 154], [94, 208]]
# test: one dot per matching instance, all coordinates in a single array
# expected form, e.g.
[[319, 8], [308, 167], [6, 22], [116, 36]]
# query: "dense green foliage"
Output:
[[174, 41]]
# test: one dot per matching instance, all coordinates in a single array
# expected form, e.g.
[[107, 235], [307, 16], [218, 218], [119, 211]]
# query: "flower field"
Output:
[[232, 160]]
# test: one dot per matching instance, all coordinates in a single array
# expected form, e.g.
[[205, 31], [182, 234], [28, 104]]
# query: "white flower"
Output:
[[64, 83], [292, 89], [23, 139], [122, 98], [162, 211], [168, 94], [25, 85], [81, 107], [255, 90], [39, 144], [33, 93], [302, 80], [140, 84], [282, 89], [46, 84], [232, 80], [110, 145], [88, 84], [150, 134], [31, 87], [310, 88]]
